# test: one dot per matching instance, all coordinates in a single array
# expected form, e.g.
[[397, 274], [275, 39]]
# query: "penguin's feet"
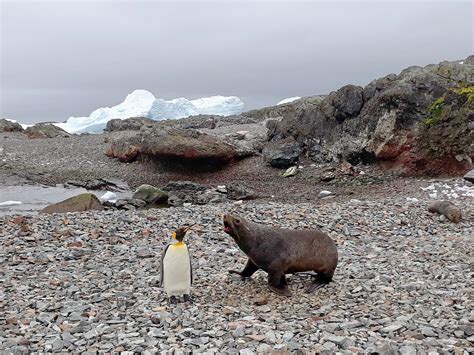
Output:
[[187, 298], [173, 300]]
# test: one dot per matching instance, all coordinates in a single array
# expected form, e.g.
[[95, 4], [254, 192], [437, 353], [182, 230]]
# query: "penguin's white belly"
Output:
[[177, 271]]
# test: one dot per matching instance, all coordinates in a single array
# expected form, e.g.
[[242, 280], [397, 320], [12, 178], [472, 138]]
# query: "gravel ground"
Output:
[[88, 282], [58, 160]]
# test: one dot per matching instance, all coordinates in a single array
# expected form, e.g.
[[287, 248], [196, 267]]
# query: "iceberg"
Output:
[[288, 100], [142, 103]]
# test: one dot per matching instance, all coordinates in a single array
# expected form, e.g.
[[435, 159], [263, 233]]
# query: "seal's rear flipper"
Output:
[[319, 281]]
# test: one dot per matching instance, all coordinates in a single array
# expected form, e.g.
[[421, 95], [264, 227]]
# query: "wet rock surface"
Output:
[[88, 282]]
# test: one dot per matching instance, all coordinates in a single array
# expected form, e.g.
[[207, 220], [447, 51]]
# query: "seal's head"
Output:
[[233, 226], [454, 215]]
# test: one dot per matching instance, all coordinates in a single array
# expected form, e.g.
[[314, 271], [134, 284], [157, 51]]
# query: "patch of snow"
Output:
[[142, 103], [10, 203], [451, 191], [25, 126], [412, 199], [288, 100], [324, 193], [431, 187], [461, 62], [109, 196]]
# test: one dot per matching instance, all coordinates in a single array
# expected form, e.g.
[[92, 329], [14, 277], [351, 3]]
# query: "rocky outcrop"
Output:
[[9, 126], [129, 124], [45, 130], [282, 154], [79, 203], [394, 120], [175, 148]]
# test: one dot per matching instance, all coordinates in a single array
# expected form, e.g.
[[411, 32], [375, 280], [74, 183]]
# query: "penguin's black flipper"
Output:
[[161, 266], [190, 265]]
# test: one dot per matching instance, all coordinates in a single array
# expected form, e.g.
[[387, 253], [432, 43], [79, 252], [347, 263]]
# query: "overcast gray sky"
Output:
[[61, 59]]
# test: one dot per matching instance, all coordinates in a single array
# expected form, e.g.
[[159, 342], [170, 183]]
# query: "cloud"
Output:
[[62, 59]]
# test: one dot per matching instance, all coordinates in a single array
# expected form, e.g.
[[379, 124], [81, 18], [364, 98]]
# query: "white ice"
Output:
[[142, 103], [10, 203], [288, 100], [109, 196]]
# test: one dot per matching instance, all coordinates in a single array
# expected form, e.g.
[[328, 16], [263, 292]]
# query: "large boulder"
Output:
[[45, 130], [419, 121], [175, 148], [150, 194], [282, 154], [79, 203], [124, 149], [9, 126]]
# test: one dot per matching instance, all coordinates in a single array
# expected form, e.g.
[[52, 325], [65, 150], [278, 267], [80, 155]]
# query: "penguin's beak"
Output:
[[189, 227]]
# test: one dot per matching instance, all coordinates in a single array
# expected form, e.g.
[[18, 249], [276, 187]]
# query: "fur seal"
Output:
[[446, 208], [283, 251]]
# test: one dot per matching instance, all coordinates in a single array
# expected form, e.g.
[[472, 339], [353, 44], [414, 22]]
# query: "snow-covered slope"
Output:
[[142, 103], [288, 100]]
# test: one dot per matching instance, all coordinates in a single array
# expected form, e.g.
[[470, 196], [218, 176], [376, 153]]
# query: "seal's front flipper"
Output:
[[319, 281], [248, 270], [277, 283], [172, 300]]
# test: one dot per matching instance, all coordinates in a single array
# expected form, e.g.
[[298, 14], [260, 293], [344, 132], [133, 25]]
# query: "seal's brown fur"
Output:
[[446, 208], [282, 251]]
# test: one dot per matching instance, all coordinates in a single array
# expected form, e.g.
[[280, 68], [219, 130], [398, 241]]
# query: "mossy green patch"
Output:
[[435, 112], [467, 91]]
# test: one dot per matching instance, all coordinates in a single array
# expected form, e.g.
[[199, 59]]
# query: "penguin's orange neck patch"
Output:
[[179, 245]]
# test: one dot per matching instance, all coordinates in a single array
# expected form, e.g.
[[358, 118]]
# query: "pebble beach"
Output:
[[90, 282]]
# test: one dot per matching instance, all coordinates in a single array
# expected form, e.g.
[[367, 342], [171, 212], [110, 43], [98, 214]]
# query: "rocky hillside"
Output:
[[417, 122], [420, 121]]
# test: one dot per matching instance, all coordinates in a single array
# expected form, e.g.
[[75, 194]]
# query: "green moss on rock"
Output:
[[435, 110]]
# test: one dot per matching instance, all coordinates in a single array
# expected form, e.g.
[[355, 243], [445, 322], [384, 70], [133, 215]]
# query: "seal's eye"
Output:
[[237, 221]]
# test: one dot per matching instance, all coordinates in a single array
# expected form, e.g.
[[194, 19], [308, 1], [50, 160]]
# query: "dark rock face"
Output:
[[100, 184], [9, 126], [175, 148], [45, 130], [282, 154], [79, 203], [129, 124], [390, 121]]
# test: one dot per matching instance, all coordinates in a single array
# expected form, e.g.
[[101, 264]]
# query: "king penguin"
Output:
[[176, 269]]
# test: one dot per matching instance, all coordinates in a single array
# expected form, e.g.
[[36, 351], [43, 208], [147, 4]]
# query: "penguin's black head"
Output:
[[179, 233]]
